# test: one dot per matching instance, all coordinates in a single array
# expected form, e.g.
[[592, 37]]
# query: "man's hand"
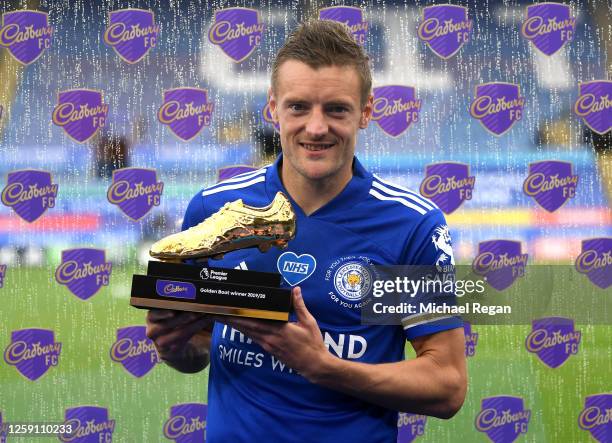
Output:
[[299, 345], [182, 339]]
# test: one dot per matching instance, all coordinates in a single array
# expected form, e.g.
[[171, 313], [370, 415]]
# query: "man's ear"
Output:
[[366, 112], [273, 105]]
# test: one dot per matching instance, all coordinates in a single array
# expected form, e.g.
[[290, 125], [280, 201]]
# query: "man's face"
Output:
[[319, 113]]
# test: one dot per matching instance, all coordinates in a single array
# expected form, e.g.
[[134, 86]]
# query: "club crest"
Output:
[[237, 31], [32, 352], [503, 418], [187, 423], [497, 106], [550, 183], [26, 34], [445, 29], [80, 113], [131, 33], [395, 108], [349, 16], [596, 417], [83, 271], [134, 351], [185, 111], [410, 426], [448, 185], [595, 261], [594, 105], [553, 340], [89, 424], [135, 191], [549, 26], [500, 262], [29, 193]]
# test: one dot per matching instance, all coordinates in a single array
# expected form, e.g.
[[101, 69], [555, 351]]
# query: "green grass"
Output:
[[87, 376]]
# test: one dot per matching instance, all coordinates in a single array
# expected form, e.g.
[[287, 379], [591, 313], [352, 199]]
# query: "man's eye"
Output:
[[296, 107], [338, 109]]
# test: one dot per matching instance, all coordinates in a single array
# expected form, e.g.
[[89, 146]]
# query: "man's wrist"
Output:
[[324, 370]]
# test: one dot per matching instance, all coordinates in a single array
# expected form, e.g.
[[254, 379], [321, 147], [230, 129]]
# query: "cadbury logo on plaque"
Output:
[[445, 29], [88, 424], [83, 271], [410, 426], [595, 261], [135, 191], [177, 289], [448, 185], [131, 33], [553, 340], [594, 105], [551, 183], [2, 275], [134, 351], [81, 113], [549, 26], [395, 108], [268, 119], [596, 417], [349, 16], [497, 106], [30, 193], [185, 111], [500, 262], [471, 339], [32, 352], [237, 31], [187, 423], [26, 34], [503, 418]]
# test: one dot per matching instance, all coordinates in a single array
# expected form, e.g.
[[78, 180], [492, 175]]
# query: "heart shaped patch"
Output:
[[295, 269]]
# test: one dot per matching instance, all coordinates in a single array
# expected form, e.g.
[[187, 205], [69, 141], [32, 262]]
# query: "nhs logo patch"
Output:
[[295, 269]]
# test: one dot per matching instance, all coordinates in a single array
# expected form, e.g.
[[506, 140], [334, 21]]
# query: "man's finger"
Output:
[[181, 335], [299, 306]]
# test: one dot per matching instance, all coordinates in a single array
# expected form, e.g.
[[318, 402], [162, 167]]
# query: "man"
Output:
[[324, 377]]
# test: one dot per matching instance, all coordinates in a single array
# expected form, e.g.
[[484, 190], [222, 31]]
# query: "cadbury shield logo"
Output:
[[595, 261], [83, 271], [81, 113], [30, 193], [500, 262], [89, 424], [237, 31], [548, 26], [131, 33], [471, 339], [395, 108], [135, 191], [266, 114], [349, 16], [448, 185], [551, 183], [26, 34], [228, 172], [410, 426], [32, 352], [596, 417], [187, 423], [185, 111], [594, 105], [134, 351], [497, 106], [445, 29], [503, 418], [553, 340]]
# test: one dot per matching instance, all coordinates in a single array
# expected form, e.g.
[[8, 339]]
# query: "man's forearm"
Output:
[[195, 356]]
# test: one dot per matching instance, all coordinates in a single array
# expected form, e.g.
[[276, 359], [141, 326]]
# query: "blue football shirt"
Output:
[[254, 397]]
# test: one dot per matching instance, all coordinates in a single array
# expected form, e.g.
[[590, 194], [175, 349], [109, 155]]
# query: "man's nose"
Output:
[[317, 124]]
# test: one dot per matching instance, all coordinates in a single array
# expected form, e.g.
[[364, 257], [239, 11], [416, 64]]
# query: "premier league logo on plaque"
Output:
[[596, 417], [237, 31], [134, 351], [595, 261], [81, 113], [83, 271], [498, 106], [32, 352], [410, 426], [549, 26], [187, 423], [445, 29], [471, 339], [594, 105], [135, 191], [89, 424], [26, 34], [550, 183], [268, 118], [185, 111], [30, 193], [131, 33], [350, 17], [503, 418], [553, 340], [500, 262], [448, 185], [395, 108]]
